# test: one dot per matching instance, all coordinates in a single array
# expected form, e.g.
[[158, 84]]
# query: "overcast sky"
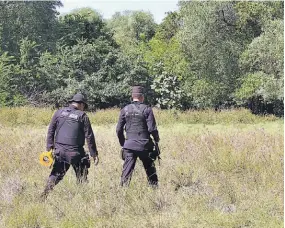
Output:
[[108, 7]]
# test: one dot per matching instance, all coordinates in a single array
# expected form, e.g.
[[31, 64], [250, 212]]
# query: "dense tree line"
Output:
[[205, 55]]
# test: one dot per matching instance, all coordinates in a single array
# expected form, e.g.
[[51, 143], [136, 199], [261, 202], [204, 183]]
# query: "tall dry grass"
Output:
[[219, 175], [41, 116]]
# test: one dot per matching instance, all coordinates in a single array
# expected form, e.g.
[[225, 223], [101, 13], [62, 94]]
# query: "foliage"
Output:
[[34, 20], [167, 52], [9, 94], [206, 54], [83, 24], [167, 88], [205, 93], [87, 68], [166, 63], [212, 47], [263, 59], [131, 27], [169, 27], [252, 16]]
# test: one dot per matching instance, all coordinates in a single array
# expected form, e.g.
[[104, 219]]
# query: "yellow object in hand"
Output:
[[46, 158]]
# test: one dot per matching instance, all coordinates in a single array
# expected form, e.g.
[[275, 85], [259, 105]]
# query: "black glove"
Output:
[[85, 161]]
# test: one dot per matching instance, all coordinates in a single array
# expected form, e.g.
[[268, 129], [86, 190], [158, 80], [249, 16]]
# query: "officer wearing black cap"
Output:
[[139, 123], [67, 132]]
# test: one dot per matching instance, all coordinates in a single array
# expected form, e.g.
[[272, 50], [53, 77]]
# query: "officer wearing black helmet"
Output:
[[67, 132], [139, 123]]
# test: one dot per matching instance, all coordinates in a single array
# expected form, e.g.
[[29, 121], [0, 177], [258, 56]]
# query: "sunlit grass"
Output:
[[227, 174], [41, 116]]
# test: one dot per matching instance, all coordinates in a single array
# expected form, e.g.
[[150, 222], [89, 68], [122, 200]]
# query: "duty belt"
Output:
[[132, 135]]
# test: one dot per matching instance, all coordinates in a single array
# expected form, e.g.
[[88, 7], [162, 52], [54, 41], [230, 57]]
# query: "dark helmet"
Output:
[[137, 90]]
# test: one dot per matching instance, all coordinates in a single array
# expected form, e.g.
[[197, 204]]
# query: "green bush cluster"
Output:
[[204, 55]]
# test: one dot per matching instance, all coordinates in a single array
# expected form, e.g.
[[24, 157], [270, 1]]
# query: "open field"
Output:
[[220, 169]]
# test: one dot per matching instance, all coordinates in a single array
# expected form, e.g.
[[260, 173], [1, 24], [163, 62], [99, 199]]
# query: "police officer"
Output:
[[67, 132], [139, 123]]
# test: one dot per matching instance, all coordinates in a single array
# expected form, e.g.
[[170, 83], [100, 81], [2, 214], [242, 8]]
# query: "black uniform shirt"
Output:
[[89, 135], [137, 144]]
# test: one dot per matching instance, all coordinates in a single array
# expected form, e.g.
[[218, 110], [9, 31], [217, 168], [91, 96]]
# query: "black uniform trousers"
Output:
[[59, 170], [130, 158]]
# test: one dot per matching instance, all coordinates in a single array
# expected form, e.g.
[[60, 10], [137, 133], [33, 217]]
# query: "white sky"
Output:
[[107, 8]]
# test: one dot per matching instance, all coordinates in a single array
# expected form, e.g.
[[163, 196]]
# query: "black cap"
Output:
[[137, 90], [79, 98]]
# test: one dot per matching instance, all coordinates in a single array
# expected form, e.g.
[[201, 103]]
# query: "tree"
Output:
[[36, 21], [167, 88], [132, 27], [167, 67], [86, 59], [212, 45], [83, 24], [9, 95], [253, 16], [262, 64], [169, 26], [97, 69]]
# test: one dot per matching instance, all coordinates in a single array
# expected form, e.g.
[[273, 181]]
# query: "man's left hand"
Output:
[[96, 160]]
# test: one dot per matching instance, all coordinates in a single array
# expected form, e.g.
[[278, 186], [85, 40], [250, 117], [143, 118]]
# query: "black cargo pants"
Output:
[[60, 168], [130, 158]]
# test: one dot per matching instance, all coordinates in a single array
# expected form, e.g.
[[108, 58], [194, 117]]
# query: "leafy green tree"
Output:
[[169, 26], [99, 70], [167, 88], [26, 29], [253, 16], [24, 79], [167, 52], [28, 81], [262, 63], [167, 68], [83, 24], [205, 54], [9, 94], [36, 21], [212, 45], [132, 27], [165, 62]]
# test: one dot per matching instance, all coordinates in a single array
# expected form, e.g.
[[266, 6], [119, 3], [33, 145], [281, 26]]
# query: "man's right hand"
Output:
[[50, 148], [96, 160]]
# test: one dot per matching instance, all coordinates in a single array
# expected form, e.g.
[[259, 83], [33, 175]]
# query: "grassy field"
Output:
[[221, 169]]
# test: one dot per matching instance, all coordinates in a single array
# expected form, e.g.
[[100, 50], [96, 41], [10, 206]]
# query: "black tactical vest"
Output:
[[136, 126], [70, 128]]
